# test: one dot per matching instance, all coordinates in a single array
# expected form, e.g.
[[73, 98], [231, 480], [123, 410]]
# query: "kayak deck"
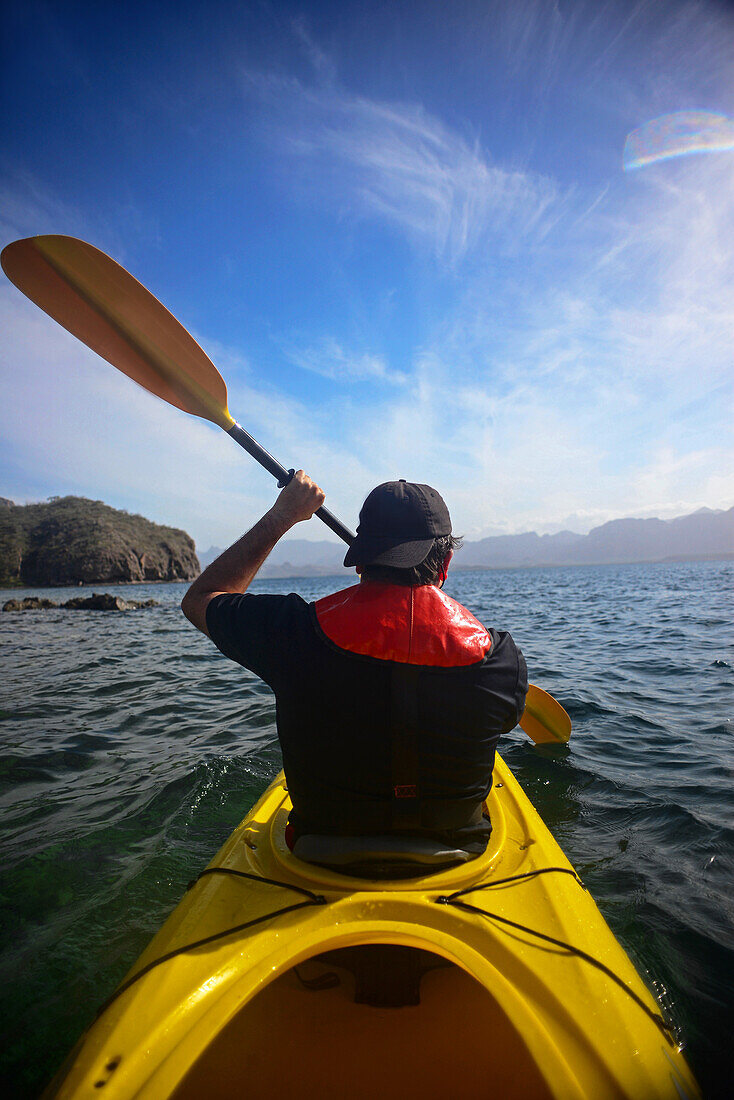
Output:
[[245, 1003]]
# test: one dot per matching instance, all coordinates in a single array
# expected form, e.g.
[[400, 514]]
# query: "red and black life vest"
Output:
[[411, 627], [417, 626]]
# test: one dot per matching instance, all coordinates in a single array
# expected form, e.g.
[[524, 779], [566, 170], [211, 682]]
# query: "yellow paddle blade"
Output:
[[544, 719], [113, 314]]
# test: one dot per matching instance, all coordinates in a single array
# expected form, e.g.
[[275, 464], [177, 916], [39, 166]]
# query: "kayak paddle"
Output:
[[544, 719], [104, 306]]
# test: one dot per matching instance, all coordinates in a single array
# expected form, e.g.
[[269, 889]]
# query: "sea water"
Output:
[[130, 748]]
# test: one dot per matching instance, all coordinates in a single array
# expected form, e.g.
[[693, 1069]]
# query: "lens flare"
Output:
[[677, 135]]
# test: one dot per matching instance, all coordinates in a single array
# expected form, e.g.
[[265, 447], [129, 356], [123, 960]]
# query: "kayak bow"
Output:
[[275, 977]]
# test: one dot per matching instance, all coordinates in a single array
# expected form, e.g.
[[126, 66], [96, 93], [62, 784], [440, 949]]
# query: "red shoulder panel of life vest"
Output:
[[420, 626]]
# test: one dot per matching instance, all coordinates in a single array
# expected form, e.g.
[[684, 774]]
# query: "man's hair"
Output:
[[427, 571]]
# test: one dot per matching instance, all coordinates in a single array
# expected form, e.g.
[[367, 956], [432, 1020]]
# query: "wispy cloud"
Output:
[[399, 163], [605, 394], [320, 61], [331, 360], [30, 206]]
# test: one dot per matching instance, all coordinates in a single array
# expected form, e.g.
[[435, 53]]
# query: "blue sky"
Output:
[[403, 233]]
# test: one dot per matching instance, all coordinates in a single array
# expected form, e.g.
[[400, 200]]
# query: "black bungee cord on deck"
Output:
[[449, 899], [316, 898], [453, 899], [311, 899]]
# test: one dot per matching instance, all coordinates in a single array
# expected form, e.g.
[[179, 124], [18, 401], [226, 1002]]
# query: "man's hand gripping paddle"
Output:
[[100, 303]]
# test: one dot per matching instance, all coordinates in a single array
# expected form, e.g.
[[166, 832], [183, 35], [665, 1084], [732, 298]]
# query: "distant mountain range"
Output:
[[704, 535]]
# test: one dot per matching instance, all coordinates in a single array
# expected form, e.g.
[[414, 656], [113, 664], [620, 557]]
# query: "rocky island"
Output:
[[72, 540], [98, 601]]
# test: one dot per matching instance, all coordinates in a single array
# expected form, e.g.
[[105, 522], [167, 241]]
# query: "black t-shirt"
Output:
[[334, 722]]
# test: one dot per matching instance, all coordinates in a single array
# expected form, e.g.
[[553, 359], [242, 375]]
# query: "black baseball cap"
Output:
[[398, 524]]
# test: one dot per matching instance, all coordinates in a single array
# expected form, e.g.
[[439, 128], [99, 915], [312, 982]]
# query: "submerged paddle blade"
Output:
[[544, 719], [100, 303]]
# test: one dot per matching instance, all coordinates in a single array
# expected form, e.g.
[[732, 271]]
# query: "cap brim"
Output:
[[385, 552]]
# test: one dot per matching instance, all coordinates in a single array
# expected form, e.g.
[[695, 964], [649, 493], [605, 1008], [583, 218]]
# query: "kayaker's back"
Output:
[[390, 703]]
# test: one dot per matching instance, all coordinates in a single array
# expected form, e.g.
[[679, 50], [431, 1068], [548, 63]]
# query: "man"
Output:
[[390, 697]]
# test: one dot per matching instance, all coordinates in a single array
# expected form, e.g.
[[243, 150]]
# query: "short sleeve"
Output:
[[261, 633], [509, 669], [522, 683]]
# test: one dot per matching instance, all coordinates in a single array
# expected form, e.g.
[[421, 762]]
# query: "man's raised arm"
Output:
[[234, 570]]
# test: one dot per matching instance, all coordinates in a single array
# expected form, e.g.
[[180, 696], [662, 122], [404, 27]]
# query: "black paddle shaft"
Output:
[[283, 476]]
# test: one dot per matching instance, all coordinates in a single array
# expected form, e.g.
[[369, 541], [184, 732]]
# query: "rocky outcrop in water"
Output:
[[29, 603], [98, 601], [71, 540], [103, 601]]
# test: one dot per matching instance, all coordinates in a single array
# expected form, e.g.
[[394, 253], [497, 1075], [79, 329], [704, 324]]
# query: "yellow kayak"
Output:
[[279, 978]]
